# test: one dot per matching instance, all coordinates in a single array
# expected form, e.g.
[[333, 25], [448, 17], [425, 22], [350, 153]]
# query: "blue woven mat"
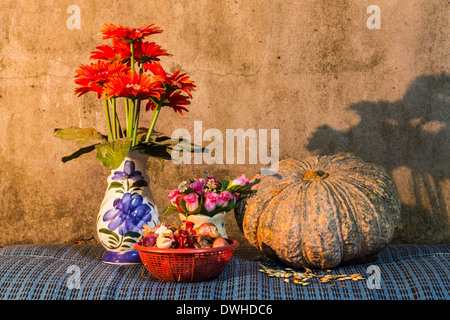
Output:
[[50, 272]]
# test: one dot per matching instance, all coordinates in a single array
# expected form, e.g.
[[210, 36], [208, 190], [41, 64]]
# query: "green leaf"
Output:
[[107, 231], [115, 184], [239, 189], [182, 205], [160, 146], [112, 240], [132, 234], [224, 185], [78, 153], [154, 150], [80, 135], [111, 154], [170, 209], [130, 240], [139, 183]]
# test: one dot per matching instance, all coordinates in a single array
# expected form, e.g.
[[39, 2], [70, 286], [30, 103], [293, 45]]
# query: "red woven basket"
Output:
[[186, 265]]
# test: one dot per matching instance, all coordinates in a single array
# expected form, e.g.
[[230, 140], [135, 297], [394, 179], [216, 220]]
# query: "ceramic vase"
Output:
[[128, 205], [218, 220]]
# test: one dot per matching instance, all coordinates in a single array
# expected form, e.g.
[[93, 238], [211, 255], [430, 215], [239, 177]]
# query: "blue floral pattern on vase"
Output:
[[128, 214], [126, 208], [128, 172]]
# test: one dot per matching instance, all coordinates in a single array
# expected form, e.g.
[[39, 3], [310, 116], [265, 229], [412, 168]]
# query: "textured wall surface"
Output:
[[313, 70]]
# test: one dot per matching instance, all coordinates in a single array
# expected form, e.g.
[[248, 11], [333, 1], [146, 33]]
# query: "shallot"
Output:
[[149, 240], [219, 242], [208, 231]]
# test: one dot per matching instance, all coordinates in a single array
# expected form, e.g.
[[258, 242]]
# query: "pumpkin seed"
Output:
[[302, 278]]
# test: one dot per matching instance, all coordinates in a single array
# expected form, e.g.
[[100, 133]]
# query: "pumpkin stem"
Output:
[[315, 175]]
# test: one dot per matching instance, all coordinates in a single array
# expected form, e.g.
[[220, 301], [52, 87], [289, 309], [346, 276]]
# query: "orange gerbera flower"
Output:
[[93, 77], [133, 85], [129, 34], [148, 51], [175, 80], [119, 51], [173, 99]]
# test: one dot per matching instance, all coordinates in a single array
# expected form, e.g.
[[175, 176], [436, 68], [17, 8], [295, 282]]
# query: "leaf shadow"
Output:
[[410, 135]]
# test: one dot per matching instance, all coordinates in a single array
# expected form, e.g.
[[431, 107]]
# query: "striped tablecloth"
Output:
[[75, 272]]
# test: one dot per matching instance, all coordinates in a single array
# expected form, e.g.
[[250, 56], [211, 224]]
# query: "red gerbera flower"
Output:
[[133, 85], [175, 80], [119, 51], [174, 99], [129, 34], [148, 51], [93, 77]]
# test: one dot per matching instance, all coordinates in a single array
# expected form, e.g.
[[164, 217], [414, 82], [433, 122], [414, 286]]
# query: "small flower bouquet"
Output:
[[128, 70], [207, 196]]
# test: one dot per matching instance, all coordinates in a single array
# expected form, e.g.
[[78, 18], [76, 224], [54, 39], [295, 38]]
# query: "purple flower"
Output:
[[217, 182], [210, 201], [191, 201], [128, 214], [198, 186], [128, 172], [223, 199]]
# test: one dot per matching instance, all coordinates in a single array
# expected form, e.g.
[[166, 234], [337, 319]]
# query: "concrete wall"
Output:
[[311, 69]]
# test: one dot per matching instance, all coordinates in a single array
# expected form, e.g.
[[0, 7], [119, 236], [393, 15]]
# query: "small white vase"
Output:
[[218, 220], [128, 205]]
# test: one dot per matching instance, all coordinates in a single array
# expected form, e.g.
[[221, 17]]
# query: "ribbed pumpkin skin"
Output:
[[346, 217]]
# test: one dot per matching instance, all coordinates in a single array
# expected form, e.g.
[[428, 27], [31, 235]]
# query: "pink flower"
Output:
[[191, 201], [198, 186], [174, 195], [210, 201], [223, 199], [240, 181]]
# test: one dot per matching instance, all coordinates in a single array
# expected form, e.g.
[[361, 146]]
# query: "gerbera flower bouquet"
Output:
[[128, 70]]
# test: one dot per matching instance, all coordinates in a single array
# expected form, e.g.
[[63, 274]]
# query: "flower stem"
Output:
[[127, 112], [132, 55], [155, 117], [136, 122], [114, 118], [130, 119], [108, 119], [118, 127]]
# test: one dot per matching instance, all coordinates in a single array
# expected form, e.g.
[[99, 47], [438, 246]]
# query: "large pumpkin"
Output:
[[321, 212]]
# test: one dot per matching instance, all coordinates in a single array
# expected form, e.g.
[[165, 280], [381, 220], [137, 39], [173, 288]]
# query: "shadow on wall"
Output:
[[410, 139]]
